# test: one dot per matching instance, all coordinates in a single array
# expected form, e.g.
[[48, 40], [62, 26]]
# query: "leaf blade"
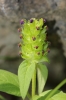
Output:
[[8, 79], [42, 74], [59, 96], [8, 76], [43, 95], [10, 89], [25, 73]]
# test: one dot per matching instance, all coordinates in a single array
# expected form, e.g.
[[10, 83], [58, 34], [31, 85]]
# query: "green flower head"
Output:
[[33, 35]]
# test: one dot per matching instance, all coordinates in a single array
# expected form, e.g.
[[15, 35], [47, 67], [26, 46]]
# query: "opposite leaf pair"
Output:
[[18, 85], [25, 74]]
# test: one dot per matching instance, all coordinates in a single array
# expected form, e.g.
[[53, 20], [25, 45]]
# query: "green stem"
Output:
[[55, 89], [34, 84]]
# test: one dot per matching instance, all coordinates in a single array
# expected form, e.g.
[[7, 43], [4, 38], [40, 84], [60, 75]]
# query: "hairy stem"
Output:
[[55, 89], [34, 83]]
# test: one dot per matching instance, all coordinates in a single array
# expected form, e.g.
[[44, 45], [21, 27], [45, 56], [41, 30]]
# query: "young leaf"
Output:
[[9, 83], [59, 96], [42, 74], [39, 97], [25, 73], [43, 95], [44, 59]]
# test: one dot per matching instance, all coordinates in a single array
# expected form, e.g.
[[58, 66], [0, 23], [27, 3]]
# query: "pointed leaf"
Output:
[[9, 83], [44, 59], [39, 97], [43, 95], [25, 73], [59, 96], [42, 74]]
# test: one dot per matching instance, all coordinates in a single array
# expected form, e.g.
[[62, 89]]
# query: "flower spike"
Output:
[[34, 43]]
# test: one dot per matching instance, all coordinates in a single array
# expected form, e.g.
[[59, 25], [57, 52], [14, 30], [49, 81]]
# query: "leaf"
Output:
[[43, 95], [59, 96], [9, 83], [44, 59], [45, 46], [35, 97], [42, 74], [38, 97], [25, 73]]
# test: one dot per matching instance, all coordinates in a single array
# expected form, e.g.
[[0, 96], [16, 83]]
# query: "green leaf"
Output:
[[40, 96], [45, 46], [25, 73], [43, 95], [44, 59], [59, 96], [35, 97], [42, 74], [9, 83]]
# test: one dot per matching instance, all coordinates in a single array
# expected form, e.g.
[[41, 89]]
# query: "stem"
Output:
[[55, 89], [34, 84]]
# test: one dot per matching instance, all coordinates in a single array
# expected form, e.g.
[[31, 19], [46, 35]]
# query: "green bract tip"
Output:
[[34, 45]]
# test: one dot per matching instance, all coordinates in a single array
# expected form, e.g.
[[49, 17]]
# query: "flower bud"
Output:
[[46, 27], [37, 28], [20, 53], [33, 38], [44, 20], [21, 36], [42, 52], [19, 30], [22, 22], [19, 45], [31, 20], [36, 47], [48, 50], [38, 53]]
